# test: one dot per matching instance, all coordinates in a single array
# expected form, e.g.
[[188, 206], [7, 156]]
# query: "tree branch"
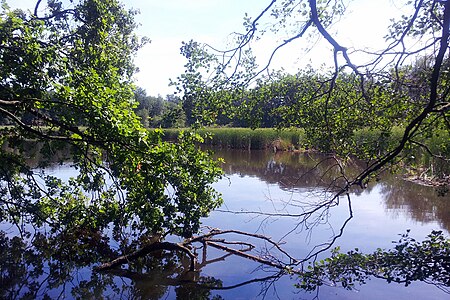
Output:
[[144, 251], [414, 125]]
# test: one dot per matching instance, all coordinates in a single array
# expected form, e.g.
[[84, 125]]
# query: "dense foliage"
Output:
[[66, 83], [407, 262], [157, 112]]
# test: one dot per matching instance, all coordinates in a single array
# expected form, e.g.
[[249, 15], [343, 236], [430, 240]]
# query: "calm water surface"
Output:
[[260, 184], [267, 182]]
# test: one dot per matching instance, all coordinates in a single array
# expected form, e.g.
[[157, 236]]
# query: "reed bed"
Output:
[[247, 138], [368, 144]]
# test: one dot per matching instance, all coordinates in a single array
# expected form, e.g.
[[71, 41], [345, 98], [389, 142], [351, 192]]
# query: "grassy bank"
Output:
[[246, 138], [368, 144]]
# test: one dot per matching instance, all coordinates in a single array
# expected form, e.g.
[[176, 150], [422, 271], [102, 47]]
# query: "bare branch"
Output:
[[144, 251], [414, 125], [36, 8], [247, 256], [10, 102], [337, 47]]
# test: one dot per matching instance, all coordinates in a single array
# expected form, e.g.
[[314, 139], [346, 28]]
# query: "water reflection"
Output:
[[40, 154], [60, 267], [421, 203], [43, 266], [289, 170], [300, 171]]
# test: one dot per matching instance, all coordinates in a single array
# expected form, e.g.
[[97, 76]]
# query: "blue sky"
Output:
[[169, 22]]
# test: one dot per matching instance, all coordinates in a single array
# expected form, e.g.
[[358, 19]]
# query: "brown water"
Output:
[[263, 192]]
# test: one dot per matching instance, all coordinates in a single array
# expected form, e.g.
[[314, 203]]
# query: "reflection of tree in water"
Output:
[[58, 267], [43, 269], [48, 267], [41, 154], [62, 264], [290, 171], [294, 171], [53, 267], [422, 203]]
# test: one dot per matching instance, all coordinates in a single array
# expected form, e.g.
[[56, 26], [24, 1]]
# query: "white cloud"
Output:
[[159, 61]]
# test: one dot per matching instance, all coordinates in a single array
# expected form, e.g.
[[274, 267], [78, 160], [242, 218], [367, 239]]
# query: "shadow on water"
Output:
[[44, 266]]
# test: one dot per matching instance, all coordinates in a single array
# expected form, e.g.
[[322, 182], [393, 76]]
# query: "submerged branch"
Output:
[[146, 250], [247, 256]]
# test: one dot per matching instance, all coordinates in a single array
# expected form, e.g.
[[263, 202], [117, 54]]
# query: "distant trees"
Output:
[[157, 112]]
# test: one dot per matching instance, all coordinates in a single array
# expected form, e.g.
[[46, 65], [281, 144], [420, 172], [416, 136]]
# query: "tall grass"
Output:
[[428, 157], [246, 138], [368, 144]]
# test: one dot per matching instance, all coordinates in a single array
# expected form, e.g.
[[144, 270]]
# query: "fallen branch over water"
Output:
[[241, 249], [146, 250], [409, 261]]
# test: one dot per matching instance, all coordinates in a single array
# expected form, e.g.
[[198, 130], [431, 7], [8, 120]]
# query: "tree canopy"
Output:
[[404, 83], [66, 83]]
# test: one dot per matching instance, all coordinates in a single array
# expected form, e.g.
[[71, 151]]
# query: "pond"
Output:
[[264, 193]]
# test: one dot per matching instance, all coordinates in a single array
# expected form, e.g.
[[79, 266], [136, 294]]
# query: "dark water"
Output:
[[263, 193]]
